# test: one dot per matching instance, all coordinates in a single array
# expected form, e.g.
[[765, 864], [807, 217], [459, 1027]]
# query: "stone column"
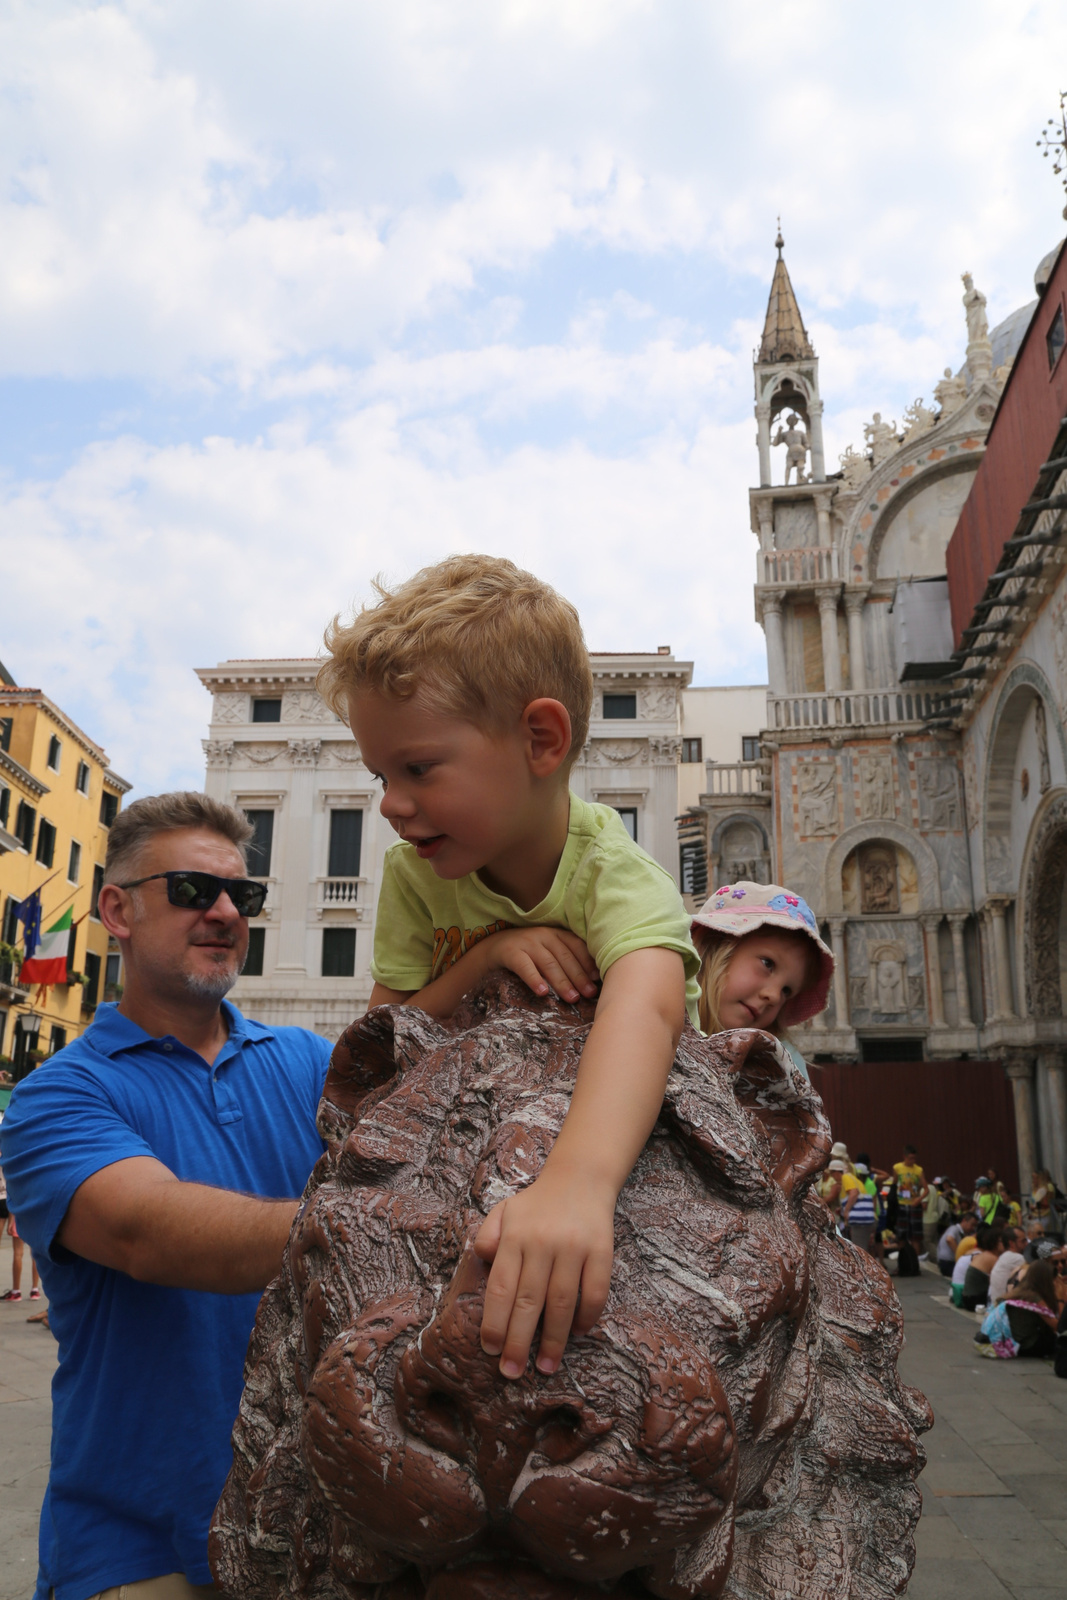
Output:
[[837, 940], [1021, 1072], [957, 923], [292, 939], [763, 442], [765, 513], [818, 458], [771, 604], [930, 926], [831, 654], [996, 908], [1054, 1138], [855, 600]]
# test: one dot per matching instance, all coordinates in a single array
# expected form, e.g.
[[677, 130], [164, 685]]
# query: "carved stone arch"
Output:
[[881, 828], [734, 820], [918, 484], [1025, 684], [788, 390], [1044, 880]]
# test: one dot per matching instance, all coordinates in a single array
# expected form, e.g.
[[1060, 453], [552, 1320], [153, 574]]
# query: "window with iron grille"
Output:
[[261, 844], [338, 952], [46, 843], [692, 751]]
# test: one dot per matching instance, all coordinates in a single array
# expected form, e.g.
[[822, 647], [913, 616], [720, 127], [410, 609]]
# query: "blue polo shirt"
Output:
[[149, 1379]]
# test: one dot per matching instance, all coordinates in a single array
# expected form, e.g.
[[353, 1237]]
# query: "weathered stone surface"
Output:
[[733, 1425]]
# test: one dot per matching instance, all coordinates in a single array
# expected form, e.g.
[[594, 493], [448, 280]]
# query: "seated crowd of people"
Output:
[[1004, 1257]]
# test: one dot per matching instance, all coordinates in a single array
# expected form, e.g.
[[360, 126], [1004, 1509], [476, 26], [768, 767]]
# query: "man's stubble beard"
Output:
[[214, 985]]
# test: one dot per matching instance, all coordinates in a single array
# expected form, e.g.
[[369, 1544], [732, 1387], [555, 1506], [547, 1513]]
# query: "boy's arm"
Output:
[[555, 1240], [543, 958]]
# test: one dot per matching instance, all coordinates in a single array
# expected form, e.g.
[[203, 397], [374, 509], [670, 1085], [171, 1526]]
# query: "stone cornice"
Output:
[[15, 770]]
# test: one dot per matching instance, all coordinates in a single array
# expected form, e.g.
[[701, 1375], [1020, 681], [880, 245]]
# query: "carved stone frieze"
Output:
[[230, 708], [616, 753], [665, 752], [341, 755], [218, 752], [816, 798], [658, 703], [877, 799], [304, 752], [304, 705], [261, 755], [939, 794]]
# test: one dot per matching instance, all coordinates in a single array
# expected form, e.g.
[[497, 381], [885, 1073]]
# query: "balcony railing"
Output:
[[854, 708], [738, 777], [813, 564], [339, 894]]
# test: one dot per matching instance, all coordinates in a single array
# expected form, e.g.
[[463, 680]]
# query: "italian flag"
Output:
[[48, 964]]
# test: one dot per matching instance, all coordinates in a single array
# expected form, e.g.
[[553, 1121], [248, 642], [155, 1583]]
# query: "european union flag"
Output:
[[28, 912]]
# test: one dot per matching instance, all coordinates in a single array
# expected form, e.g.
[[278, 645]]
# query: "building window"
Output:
[[112, 975], [59, 1038], [6, 725], [91, 987], [10, 932], [346, 838], [266, 711], [628, 814], [253, 967], [1055, 338], [620, 707], [109, 809], [25, 822], [750, 747], [261, 843], [54, 747], [692, 750], [98, 884], [5, 804], [81, 782], [46, 843], [338, 952], [74, 868]]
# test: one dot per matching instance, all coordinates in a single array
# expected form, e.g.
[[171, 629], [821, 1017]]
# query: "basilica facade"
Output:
[[912, 776]]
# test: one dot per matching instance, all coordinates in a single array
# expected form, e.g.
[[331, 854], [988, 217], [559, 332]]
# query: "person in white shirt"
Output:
[[1007, 1265]]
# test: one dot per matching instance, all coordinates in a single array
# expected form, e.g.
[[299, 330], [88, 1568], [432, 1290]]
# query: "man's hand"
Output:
[[544, 958], [137, 1217], [548, 1245], [555, 1239]]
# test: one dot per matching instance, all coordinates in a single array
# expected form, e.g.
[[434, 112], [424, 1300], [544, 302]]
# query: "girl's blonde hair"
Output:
[[716, 952]]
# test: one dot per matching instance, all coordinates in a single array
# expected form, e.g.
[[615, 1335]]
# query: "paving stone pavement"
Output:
[[994, 1521]]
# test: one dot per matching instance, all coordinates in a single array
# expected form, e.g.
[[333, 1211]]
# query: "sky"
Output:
[[294, 294]]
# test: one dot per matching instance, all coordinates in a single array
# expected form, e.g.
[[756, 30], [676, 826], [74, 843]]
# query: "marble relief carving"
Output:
[[230, 708], [616, 753], [665, 752], [262, 755], [341, 755], [879, 884], [888, 978], [939, 794], [659, 704], [1059, 645], [304, 705], [876, 788], [218, 752], [304, 752], [817, 798]]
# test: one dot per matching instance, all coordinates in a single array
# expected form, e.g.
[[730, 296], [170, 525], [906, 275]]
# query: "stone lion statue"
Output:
[[734, 1425]]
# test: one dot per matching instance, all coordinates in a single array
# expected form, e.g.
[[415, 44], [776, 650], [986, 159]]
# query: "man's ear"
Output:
[[546, 728], [115, 910]]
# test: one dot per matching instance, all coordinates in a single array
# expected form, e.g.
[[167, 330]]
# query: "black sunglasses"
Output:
[[196, 891]]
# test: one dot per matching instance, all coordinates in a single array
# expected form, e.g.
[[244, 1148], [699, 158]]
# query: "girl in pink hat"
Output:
[[762, 963]]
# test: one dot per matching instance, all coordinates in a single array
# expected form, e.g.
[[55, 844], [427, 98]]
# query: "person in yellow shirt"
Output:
[[912, 1190]]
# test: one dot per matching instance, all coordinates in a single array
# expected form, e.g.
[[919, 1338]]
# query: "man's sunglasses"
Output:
[[196, 891]]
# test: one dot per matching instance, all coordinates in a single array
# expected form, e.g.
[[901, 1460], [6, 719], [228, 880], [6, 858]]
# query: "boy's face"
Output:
[[463, 797]]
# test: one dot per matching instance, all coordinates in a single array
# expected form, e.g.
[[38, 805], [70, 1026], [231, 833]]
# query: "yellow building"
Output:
[[58, 797]]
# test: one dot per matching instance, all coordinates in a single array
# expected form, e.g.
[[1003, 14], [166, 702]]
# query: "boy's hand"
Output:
[[548, 1244], [545, 958]]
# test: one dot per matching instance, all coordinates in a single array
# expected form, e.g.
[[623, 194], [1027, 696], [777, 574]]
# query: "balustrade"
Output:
[[855, 708]]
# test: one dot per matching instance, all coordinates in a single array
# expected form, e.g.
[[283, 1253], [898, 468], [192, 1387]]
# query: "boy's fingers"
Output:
[[560, 1300], [527, 1304]]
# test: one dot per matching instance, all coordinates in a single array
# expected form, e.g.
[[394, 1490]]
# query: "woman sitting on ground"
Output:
[[981, 1264], [1024, 1325]]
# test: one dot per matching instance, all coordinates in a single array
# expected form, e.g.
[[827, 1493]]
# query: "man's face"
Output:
[[460, 795], [185, 951]]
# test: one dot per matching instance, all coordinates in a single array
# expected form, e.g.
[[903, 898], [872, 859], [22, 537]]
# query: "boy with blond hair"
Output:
[[468, 690]]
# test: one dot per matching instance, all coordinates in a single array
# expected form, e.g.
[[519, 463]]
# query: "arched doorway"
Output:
[[1045, 903]]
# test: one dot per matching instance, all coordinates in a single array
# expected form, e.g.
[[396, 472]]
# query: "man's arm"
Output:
[[555, 1239], [137, 1217]]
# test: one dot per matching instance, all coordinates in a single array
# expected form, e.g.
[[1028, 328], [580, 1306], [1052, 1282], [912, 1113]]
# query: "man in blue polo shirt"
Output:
[[154, 1166]]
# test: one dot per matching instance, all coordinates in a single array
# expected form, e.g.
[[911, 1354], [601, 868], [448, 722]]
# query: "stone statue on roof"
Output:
[[881, 438], [854, 468], [974, 304], [950, 393], [796, 447], [918, 419]]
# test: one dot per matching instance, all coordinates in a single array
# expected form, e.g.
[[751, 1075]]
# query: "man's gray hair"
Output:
[[133, 828]]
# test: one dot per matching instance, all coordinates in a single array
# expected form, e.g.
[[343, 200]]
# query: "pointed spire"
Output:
[[784, 336]]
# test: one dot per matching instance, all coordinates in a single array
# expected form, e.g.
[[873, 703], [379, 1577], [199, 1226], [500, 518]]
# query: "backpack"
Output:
[[907, 1260]]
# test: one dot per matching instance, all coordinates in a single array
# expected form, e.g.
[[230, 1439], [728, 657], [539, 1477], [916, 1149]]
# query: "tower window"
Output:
[[1055, 338], [266, 710], [620, 706]]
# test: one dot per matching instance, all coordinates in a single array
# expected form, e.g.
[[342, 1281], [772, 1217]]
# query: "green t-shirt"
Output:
[[606, 890]]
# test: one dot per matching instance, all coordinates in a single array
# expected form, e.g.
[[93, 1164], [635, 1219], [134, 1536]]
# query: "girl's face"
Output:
[[766, 969]]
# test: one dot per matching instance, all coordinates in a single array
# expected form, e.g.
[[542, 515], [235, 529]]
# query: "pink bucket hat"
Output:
[[740, 908]]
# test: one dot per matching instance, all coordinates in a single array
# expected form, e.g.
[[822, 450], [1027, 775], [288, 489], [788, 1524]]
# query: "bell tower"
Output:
[[787, 384]]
